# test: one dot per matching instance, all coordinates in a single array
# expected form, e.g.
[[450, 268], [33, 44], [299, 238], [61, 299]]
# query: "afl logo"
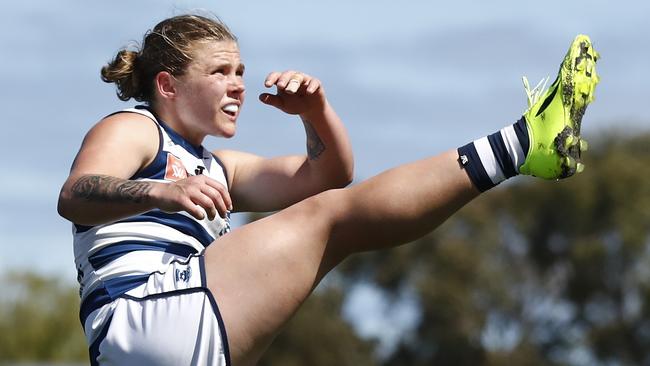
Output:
[[175, 170]]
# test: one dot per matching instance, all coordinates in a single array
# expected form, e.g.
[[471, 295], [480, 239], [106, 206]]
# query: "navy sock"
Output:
[[494, 158]]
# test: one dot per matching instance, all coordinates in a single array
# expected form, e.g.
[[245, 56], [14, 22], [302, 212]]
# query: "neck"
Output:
[[176, 122]]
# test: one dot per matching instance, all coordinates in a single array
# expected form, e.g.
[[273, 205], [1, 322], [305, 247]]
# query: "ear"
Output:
[[165, 85]]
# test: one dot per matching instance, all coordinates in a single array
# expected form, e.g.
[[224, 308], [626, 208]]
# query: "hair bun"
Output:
[[123, 72]]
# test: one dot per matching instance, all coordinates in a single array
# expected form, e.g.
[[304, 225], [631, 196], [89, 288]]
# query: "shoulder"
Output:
[[125, 121], [127, 139], [125, 128]]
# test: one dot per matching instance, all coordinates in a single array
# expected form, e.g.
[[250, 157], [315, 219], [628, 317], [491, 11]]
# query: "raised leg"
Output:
[[262, 272]]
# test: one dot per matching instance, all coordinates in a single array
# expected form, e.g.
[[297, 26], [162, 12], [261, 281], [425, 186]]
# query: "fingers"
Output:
[[221, 191], [271, 79], [290, 82], [313, 86], [271, 99], [212, 205], [197, 211], [201, 196], [218, 202]]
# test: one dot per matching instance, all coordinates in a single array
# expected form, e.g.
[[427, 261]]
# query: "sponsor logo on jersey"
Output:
[[175, 169]]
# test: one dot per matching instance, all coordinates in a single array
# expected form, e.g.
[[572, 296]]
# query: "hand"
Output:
[[297, 93], [194, 195]]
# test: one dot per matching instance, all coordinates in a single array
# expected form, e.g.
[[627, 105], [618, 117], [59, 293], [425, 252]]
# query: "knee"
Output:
[[330, 210], [328, 207]]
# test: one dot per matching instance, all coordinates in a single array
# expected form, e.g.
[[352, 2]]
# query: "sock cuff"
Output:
[[470, 161], [492, 159]]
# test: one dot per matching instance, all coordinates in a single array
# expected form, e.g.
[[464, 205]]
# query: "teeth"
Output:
[[232, 108]]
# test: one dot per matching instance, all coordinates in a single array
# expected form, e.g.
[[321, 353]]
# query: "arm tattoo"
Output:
[[105, 188], [315, 146]]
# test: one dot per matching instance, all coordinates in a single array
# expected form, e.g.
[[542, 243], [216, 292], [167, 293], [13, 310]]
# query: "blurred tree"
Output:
[[318, 336], [39, 320]]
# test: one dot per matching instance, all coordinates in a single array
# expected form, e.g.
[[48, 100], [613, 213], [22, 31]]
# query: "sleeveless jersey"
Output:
[[118, 257]]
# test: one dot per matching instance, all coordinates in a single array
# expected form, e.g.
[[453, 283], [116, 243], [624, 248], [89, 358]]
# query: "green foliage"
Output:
[[39, 320], [318, 336]]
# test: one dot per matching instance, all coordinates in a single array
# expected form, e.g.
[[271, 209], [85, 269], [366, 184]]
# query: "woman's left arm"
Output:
[[259, 184]]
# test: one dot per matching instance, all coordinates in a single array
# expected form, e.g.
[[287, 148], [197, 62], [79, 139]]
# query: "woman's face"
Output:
[[211, 92]]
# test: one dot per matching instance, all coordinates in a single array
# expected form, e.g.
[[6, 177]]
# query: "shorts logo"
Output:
[[184, 275], [175, 170]]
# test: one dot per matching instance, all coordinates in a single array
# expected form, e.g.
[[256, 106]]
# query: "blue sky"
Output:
[[409, 79]]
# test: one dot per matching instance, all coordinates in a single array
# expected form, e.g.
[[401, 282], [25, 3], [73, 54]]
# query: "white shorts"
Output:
[[172, 319]]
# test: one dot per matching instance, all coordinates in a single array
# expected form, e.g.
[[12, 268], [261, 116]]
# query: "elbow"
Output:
[[349, 172], [332, 176], [348, 176], [66, 205], [62, 206], [66, 209], [343, 177]]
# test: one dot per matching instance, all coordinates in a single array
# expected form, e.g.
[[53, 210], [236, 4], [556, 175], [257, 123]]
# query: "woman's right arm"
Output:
[[98, 189]]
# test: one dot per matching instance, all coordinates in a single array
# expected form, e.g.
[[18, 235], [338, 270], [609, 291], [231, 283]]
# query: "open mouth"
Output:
[[230, 109]]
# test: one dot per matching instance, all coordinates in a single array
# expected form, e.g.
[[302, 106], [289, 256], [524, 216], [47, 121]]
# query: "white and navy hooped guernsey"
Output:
[[143, 292]]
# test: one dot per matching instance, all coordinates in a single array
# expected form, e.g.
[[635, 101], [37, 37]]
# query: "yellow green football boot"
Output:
[[553, 119]]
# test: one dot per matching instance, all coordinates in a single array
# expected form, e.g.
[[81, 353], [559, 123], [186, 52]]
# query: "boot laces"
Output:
[[535, 93]]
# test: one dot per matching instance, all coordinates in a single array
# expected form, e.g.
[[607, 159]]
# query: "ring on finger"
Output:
[[293, 85]]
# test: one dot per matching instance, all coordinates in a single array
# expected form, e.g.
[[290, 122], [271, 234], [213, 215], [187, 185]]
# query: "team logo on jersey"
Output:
[[184, 275], [175, 169]]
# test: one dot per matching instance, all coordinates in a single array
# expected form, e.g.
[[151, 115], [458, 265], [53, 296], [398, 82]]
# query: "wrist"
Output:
[[154, 194], [316, 113]]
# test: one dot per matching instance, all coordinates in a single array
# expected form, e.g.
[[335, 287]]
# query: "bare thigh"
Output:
[[262, 272]]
